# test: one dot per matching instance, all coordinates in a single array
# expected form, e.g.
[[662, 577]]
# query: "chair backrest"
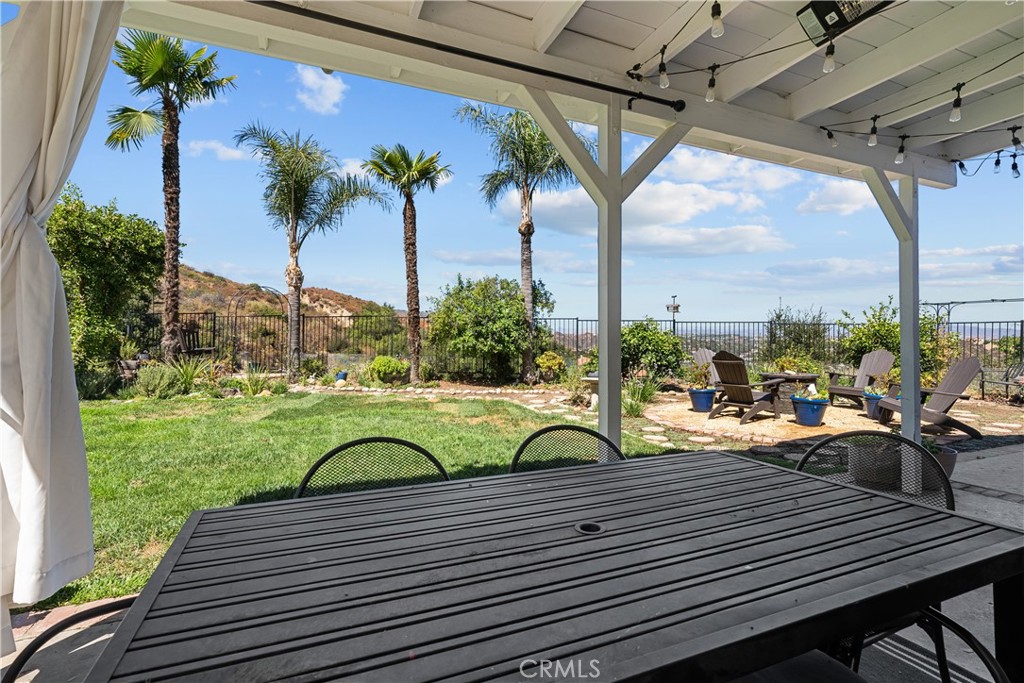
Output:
[[188, 338], [955, 381], [873, 365], [732, 372], [376, 462], [563, 446], [874, 460], [702, 356]]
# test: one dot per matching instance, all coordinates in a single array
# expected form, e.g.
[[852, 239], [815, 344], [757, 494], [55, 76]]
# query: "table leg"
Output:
[[1008, 613]]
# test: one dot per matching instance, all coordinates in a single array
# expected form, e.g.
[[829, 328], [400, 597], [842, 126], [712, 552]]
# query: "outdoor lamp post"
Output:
[[673, 308]]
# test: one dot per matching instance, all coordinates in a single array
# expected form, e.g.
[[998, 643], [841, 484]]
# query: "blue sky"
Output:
[[729, 236]]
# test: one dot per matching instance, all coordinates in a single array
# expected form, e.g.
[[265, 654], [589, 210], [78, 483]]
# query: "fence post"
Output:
[[578, 337], [1020, 347], [771, 340]]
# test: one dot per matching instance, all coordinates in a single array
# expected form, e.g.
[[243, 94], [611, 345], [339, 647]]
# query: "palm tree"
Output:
[[305, 193], [159, 66], [397, 168], [526, 162]]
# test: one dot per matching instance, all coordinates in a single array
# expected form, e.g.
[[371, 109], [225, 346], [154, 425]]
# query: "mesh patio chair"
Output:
[[563, 446], [16, 666], [376, 462], [876, 460]]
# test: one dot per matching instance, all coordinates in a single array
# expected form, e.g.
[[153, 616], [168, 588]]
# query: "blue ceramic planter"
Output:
[[702, 399], [809, 411], [871, 405], [341, 375]]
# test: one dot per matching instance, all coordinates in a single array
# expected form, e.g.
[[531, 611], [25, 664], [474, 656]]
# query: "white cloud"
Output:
[[209, 102], [1003, 249], [319, 92], [222, 151], [493, 257], [724, 170], [837, 196], [674, 241], [543, 261], [352, 167]]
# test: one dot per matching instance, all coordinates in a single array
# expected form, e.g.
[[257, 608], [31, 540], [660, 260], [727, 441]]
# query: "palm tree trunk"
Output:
[[293, 278], [172, 246], [412, 292], [528, 373]]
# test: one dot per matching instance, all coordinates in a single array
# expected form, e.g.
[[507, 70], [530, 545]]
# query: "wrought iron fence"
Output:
[[262, 339]]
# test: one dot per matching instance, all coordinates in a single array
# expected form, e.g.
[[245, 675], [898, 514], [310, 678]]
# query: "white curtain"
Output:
[[54, 55]]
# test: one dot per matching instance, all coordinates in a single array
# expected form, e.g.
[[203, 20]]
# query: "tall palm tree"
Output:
[[398, 169], [159, 66], [526, 162], [305, 193]]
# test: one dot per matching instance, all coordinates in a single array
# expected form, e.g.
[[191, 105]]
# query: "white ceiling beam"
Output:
[[549, 21], [977, 144], [697, 19], [738, 79], [562, 136], [415, 8], [943, 83], [987, 113], [948, 31], [651, 157]]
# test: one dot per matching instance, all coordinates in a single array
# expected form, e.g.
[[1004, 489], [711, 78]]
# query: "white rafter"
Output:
[[549, 21], [948, 31], [737, 79], [943, 83], [663, 35], [987, 113]]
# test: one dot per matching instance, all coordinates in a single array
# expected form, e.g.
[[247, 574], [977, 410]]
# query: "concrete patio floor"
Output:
[[988, 484]]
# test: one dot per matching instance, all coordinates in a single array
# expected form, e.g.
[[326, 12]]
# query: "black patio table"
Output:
[[696, 567]]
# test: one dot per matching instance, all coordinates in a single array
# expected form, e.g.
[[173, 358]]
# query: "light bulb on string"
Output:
[[663, 81], [1013, 166], [997, 166], [830, 58], [962, 166], [954, 114], [717, 27], [901, 153], [873, 138], [710, 95], [1014, 140], [831, 138]]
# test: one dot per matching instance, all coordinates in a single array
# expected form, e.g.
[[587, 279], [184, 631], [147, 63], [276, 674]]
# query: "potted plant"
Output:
[[809, 405], [702, 394], [875, 392], [128, 361], [946, 455]]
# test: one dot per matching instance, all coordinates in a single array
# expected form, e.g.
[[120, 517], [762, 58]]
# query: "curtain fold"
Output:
[[54, 57]]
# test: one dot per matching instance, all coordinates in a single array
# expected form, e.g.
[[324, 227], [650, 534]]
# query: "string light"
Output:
[[710, 96], [954, 115], [963, 167], [873, 138], [1013, 167], [717, 27], [830, 58], [663, 70], [831, 138], [1014, 140], [902, 151], [998, 164]]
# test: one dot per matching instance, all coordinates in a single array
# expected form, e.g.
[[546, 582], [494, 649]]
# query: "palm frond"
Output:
[[129, 127]]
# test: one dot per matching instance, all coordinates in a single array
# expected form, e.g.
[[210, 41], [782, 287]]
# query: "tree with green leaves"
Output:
[[526, 161], [398, 169], [160, 66], [485, 320], [108, 261], [305, 193]]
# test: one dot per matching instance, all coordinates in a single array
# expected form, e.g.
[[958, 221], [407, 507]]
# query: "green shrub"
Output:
[[647, 347], [387, 370], [157, 381], [326, 380], [572, 382], [428, 374], [637, 393], [796, 333], [231, 383], [551, 365], [95, 380], [797, 363], [279, 387], [189, 371], [312, 367], [256, 381]]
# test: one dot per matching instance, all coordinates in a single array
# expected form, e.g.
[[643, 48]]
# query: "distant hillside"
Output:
[[204, 291]]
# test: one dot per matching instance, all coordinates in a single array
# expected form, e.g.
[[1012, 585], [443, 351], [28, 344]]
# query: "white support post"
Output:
[[609, 278]]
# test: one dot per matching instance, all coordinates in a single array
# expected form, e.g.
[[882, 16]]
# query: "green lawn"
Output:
[[152, 463]]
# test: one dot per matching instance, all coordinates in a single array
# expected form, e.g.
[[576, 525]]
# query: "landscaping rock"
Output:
[[654, 430], [265, 392], [702, 439], [656, 438]]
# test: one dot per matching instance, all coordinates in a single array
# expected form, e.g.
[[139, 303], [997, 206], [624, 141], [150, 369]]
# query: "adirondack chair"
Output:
[[941, 398], [872, 366], [739, 390], [1010, 379], [188, 339]]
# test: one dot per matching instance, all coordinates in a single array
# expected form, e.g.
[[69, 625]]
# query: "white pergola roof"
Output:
[[768, 108]]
